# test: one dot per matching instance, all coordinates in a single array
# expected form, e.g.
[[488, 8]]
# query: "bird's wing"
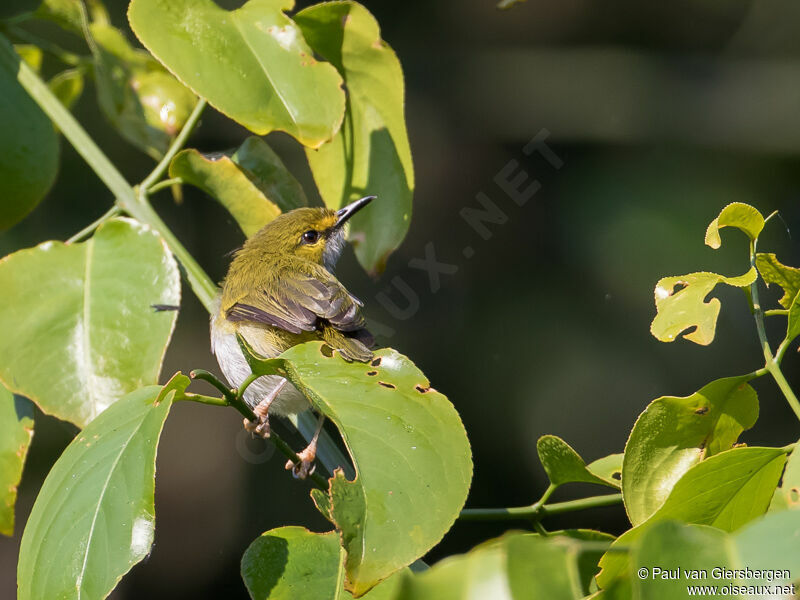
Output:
[[298, 300]]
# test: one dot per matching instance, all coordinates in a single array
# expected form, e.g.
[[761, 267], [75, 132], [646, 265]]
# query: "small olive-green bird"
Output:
[[280, 291]]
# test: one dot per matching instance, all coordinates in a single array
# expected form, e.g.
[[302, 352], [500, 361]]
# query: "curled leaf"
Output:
[[772, 271], [563, 465], [252, 182], [739, 215], [681, 305], [672, 434]]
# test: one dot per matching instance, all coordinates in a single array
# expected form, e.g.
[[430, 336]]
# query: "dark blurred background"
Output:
[[661, 114]]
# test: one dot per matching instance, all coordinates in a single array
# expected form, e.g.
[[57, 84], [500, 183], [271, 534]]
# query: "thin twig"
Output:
[[89, 229]]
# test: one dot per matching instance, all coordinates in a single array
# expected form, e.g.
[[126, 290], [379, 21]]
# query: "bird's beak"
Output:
[[348, 211]]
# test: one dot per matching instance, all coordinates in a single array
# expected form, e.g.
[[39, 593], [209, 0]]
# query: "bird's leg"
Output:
[[261, 410], [306, 465]]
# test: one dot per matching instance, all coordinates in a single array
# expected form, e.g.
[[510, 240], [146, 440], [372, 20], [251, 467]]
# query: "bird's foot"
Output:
[[260, 426], [306, 465]]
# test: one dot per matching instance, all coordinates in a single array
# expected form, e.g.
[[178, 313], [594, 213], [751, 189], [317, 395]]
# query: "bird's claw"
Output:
[[306, 465], [258, 428]]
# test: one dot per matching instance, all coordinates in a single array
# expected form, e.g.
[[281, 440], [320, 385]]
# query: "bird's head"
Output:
[[313, 234]]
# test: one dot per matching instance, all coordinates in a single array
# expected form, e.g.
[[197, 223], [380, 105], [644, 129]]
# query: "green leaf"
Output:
[[673, 434], [251, 63], [772, 271], [94, 517], [787, 495], [759, 554], [739, 215], [563, 465], [409, 447], [793, 322], [608, 468], [252, 182], [514, 567], [67, 86], [30, 148], [16, 432], [142, 101], [292, 563], [681, 305], [726, 491], [86, 333], [370, 154]]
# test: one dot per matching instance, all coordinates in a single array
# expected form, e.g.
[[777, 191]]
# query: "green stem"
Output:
[[776, 312], [164, 183], [89, 229], [771, 362], [176, 146], [537, 512]]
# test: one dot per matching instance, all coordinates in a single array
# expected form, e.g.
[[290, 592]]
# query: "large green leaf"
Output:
[[94, 517], [563, 465], [251, 63], [370, 154], [725, 491], [252, 182], [292, 563], [30, 146], [409, 447], [760, 554], [16, 431], [772, 271], [739, 215], [514, 567], [144, 103], [681, 305], [86, 333], [673, 434]]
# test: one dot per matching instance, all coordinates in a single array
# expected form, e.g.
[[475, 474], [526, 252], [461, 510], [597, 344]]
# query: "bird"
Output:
[[280, 291]]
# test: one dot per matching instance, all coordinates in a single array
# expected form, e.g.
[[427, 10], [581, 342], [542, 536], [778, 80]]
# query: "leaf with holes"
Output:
[[146, 105], [292, 563], [94, 516], [409, 447], [725, 491], [608, 468], [681, 305], [252, 183], [16, 432], [739, 215], [30, 146], [563, 465], [772, 271], [86, 333], [251, 63], [673, 434], [370, 154]]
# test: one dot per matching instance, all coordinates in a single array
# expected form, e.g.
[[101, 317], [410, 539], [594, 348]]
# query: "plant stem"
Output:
[[89, 229], [175, 147], [776, 311], [537, 512], [771, 364], [164, 183]]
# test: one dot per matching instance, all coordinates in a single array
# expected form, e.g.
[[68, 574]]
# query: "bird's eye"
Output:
[[311, 236]]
